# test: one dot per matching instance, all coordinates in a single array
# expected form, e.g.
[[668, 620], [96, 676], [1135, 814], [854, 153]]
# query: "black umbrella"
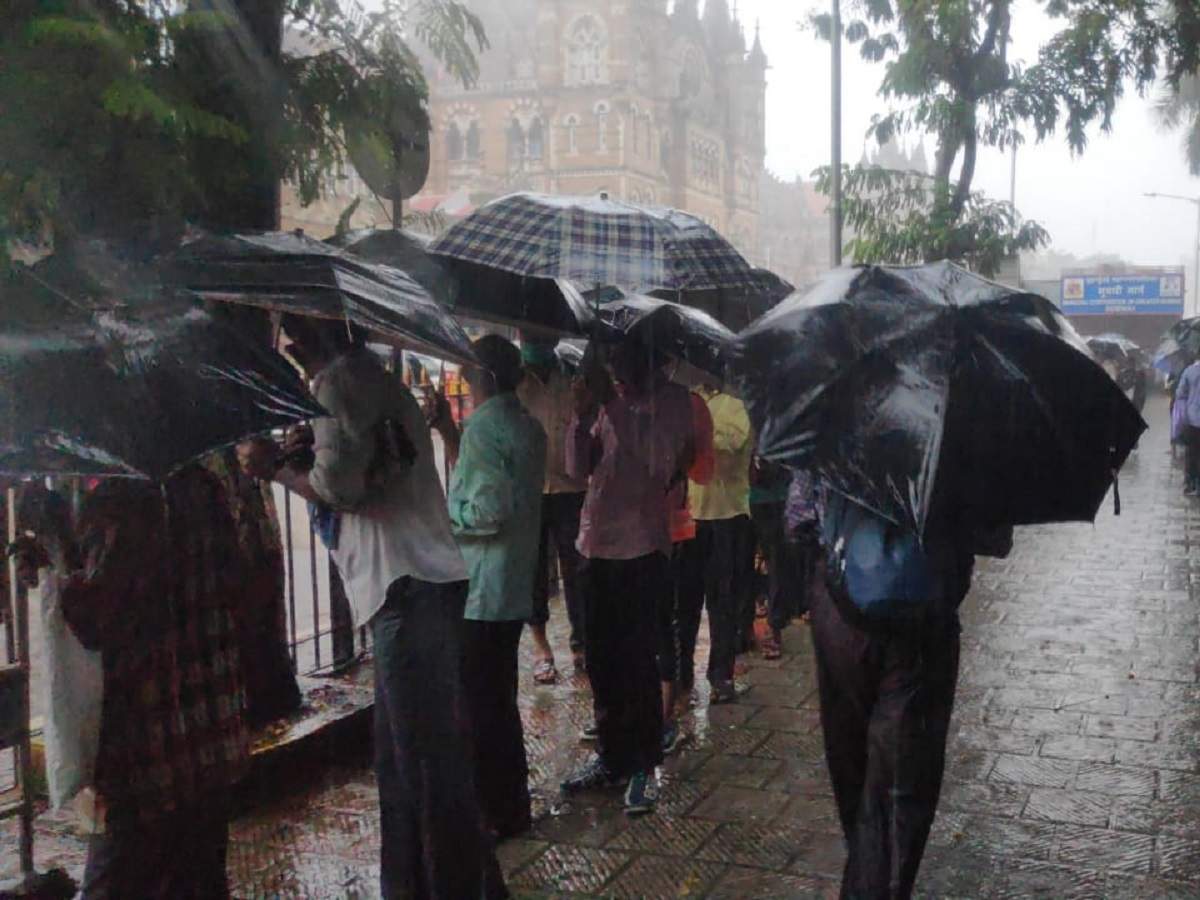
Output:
[[682, 332], [1180, 347], [296, 274], [403, 250], [859, 378], [474, 291], [1116, 348], [735, 308], [138, 389]]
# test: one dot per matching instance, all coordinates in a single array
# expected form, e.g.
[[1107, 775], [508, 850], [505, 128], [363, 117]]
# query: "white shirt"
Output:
[[395, 525]]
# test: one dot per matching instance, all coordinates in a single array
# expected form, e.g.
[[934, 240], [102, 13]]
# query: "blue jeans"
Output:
[[434, 843]]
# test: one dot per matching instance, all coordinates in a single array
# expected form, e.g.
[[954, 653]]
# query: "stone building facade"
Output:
[[617, 96]]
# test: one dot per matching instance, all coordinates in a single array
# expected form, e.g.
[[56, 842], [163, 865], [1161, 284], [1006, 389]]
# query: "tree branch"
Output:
[[962, 190], [996, 19]]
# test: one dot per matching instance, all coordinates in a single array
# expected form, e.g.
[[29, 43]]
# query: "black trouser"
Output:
[[179, 855], [1191, 455], [687, 580], [886, 700], [787, 565], [744, 547], [717, 552], [560, 529], [621, 603], [489, 668], [434, 843]]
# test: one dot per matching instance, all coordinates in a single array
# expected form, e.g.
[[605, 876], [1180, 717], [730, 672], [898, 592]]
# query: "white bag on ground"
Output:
[[74, 687]]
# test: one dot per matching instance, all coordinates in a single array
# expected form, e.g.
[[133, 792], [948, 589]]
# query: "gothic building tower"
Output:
[[627, 97]]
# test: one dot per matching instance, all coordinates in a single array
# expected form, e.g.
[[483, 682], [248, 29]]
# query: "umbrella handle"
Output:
[[1116, 493]]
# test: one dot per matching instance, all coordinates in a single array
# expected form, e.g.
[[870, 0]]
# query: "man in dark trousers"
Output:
[[887, 693], [384, 515], [635, 448]]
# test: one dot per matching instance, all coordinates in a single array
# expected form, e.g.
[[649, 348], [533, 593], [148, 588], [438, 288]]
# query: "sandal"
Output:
[[544, 672]]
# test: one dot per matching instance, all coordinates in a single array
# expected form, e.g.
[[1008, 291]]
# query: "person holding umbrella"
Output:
[[870, 382], [150, 577], [546, 391], [385, 518], [633, 449], [724, 542]]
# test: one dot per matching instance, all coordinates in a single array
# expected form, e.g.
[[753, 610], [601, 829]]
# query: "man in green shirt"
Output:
[[495, 503]]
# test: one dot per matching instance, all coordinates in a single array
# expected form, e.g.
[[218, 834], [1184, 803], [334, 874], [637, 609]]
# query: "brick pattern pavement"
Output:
[[1074, 764]]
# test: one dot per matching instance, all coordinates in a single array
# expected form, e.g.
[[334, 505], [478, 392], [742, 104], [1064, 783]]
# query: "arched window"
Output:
[[516, 141], [473, 141], [587, 52], [571, 124], [601, 111], [536, 139], [454, 143]]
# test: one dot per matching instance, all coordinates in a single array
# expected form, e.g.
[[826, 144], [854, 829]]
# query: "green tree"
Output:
[[124, 119], [1179, 108], [897, 217], [948, 73]]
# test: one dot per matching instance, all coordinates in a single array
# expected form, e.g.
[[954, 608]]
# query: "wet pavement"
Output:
[[1074, 766]]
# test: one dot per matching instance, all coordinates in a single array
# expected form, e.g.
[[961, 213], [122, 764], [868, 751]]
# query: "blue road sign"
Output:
[[1144, 294]]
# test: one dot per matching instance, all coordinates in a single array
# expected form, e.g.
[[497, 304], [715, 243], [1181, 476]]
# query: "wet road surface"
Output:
[[1074, 766]]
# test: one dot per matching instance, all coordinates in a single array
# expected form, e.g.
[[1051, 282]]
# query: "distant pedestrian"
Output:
[[495, 511], [546, 391], [634, 449], [384, 515], [1186, 415]]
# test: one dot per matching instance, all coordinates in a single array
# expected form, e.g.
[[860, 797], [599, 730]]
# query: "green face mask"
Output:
[[541, 355]]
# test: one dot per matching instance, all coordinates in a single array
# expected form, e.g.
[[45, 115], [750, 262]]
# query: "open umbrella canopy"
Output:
[[292, 273], [879, 374], [1116, 347], [138, 389], [405, 250], [735, 308], [682, 332], [549, 306], [597, 241], [1179, 348]]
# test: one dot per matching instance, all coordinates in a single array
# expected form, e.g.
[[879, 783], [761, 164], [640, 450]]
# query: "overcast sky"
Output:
[[1089, 204]]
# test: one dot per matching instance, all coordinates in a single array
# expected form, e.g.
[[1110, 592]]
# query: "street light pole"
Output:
[[835, 194], [1195, 201]]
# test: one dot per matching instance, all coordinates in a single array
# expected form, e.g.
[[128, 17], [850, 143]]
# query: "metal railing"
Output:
[[320, 629]]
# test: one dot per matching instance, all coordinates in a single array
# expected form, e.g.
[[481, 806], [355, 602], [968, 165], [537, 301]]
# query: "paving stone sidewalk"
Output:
[[1074, 764]]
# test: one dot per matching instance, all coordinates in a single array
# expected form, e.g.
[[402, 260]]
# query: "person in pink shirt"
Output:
[[633, 449]]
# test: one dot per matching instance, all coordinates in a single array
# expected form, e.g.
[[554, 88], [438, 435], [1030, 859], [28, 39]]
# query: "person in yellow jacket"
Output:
[[725, 541]]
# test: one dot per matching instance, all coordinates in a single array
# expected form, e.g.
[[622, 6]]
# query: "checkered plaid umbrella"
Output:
[[597, 241]]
